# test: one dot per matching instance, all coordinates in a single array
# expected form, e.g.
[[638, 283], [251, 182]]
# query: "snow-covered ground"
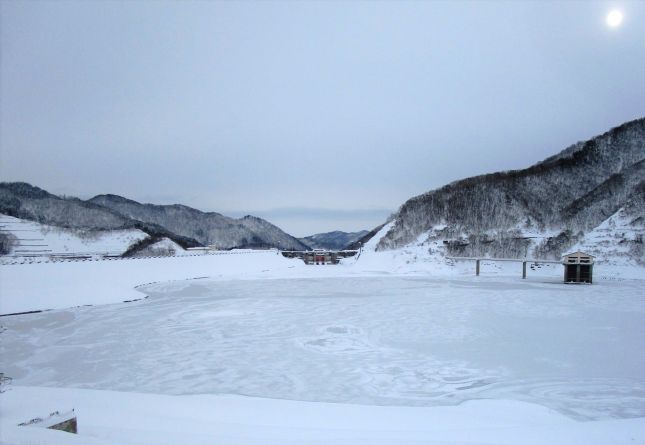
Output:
[[254, 348], [57, 285], [122, 418]]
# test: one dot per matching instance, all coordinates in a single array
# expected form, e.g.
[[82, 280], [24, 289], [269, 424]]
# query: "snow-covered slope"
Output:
[[617, 241], [31, 238]]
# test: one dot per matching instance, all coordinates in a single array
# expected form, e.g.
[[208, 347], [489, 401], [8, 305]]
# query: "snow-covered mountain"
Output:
[[589, 192], [333, 240], [208, 228], [179, 224], [82, 220], [183, 225]]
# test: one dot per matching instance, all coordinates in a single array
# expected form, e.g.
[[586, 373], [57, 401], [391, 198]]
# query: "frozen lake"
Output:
[[379, 340]]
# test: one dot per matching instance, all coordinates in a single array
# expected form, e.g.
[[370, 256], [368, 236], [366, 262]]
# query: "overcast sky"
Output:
[[317, 116]]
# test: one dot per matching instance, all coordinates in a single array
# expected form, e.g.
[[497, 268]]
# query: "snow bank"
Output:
[[106, 417], [31, 287]]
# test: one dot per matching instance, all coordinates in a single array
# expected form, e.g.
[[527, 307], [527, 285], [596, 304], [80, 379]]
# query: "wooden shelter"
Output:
[[578, 267]]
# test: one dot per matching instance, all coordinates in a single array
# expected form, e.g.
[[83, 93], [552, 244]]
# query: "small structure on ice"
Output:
[[65, 421], [578, 267]]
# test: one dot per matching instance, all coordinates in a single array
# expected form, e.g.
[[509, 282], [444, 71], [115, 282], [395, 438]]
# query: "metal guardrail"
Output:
[[516, 260], [524, 261]]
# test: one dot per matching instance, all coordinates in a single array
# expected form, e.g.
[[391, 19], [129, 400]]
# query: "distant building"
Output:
[[578, 267], [319, 256]]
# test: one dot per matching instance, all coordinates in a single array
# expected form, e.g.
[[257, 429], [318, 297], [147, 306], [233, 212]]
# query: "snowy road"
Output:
[[379, 340]]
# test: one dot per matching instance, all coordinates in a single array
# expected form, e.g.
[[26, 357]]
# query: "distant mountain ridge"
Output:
[[208, 228], [538, 211], [183, 225], [335, 240]]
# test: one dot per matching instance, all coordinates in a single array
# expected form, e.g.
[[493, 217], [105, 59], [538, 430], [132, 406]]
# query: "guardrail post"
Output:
[[477, 267], [524, 269]]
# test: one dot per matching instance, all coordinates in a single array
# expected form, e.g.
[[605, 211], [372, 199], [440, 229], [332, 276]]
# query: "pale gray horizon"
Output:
[[318, 116]]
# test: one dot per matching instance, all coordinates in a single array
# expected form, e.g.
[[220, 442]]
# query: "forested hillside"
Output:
[[333, 240], [543, 209], [183, 225], [209, 228]]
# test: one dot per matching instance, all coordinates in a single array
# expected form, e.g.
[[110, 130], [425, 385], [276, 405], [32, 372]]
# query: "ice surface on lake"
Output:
[[379, 340]]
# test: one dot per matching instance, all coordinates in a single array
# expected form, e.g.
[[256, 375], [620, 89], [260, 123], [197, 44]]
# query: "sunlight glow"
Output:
[[614, 18]]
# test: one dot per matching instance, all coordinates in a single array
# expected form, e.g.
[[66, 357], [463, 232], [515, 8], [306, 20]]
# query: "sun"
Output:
[[614, 18]]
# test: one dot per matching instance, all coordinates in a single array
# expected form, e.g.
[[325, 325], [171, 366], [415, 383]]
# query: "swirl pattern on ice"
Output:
[[385, 341]]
